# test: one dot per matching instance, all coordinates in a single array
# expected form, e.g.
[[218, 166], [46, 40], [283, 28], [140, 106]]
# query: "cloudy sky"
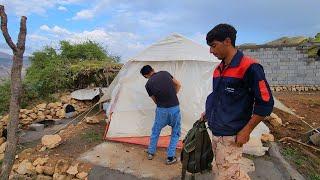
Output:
[[127, 26]]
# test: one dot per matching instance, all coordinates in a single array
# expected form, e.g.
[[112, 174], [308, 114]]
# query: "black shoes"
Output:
[[171, 160]]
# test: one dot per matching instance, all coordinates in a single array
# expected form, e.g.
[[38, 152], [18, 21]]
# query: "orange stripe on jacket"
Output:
[[264, 91], [235, 72]]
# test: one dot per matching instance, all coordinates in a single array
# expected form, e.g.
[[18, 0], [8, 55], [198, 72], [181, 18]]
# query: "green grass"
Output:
[[312, 51], [249, 156], [292, 155], [314, 177], [91, 136]]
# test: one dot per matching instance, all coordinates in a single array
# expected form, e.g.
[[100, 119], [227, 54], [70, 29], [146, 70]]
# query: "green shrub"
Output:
[[4, 97], [48, 75], [75, 66], [85, 51]]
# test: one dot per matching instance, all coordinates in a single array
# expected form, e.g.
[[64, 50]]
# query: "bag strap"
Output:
[[199, 140], [184, 165]]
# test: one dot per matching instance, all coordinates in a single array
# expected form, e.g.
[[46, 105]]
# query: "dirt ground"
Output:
[[304, 159]]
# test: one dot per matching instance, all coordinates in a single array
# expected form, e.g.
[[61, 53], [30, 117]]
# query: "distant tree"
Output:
[[88, 50], [18, 50], [317, 38], [39, 58], [48, 72], [116, 59]]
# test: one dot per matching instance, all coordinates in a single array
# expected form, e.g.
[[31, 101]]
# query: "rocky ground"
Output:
[[306, 104], [55, 157]]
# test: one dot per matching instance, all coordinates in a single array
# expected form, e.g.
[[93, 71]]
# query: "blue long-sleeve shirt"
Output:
[[239, 90]]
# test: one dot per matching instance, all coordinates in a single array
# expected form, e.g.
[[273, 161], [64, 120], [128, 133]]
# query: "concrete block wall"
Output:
[[286, 65]]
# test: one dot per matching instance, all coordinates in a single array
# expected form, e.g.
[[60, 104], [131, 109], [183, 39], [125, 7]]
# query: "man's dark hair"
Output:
[[220, 32], [146, 70]]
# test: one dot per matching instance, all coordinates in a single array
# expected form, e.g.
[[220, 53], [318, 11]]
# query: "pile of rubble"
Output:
[[2, 147], [51, 111], [295, 88], [50, 141], [41, 169], [275, 121]]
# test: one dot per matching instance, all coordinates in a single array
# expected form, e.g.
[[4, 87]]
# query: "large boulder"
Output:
[[73, 170], [26, 121], [2, 140], [3, 147], [61, 167], [58, 104], [57, 176], [1, 156], [43, 177], [46, 112], [40, 161], [92, 120], [267, 138], [25, 167], [60, 113], [65, 99], [82, 175], [41, 107], [51, 141], [33, 116], [39, 169], [48, 170], [5, 119], [48, 117], [41, 115], [24, 116], [274, 120], [51, 106], [23, 111]]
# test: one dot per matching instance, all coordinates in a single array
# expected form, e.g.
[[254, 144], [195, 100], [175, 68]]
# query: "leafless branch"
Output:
[[22, 34], [4, 29]]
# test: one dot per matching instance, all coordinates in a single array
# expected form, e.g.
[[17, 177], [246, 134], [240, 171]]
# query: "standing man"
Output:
[[163, 89], [240, 99]]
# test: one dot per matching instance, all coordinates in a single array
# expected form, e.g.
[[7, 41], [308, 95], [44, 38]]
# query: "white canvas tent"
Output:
[[132, 111]]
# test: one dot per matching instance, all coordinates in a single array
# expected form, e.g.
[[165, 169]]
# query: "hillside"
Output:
[[6, 62], [288, 41]]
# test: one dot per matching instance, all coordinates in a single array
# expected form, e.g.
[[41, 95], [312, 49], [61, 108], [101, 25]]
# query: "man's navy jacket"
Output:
[[239, 90]]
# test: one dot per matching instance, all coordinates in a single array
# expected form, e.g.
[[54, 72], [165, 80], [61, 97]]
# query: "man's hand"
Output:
[[242, 137], [202, 117]]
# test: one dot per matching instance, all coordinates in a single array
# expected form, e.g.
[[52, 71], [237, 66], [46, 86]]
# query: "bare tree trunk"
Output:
[[16, 87]]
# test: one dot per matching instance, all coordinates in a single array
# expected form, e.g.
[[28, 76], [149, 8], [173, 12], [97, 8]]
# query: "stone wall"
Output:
[[288, 65]]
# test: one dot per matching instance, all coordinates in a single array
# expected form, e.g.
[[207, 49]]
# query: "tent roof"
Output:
[[175, 48]]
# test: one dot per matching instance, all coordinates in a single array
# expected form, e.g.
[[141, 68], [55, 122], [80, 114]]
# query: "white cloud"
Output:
[[22, 8], [84, 14], [56, 30], [39, 7], [62, 8], [92, 12], [124, 44], [45, 28], [35, 37], [66, 2]]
